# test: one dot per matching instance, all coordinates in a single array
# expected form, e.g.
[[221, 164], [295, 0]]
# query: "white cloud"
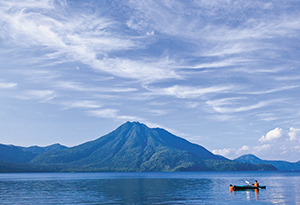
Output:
[[87, 104], [233, 152], [224, 152], [216, 105], [262, 148], [271, 135], [173, 18], [244, 148], [267, 116], [6, 85], [294, 134], [219, 64], [76, 86], [43, 95], [223, 118], [40, 75], [224, 101], [104, 113], [261, 92], [144, 69], [287, 148], [189, 91], [230, 49], [112, 114], [71, 37], [67, 85], [192, 104], [157, 112]]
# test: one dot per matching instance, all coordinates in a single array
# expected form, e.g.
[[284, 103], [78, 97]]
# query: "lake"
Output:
[[148, 188]]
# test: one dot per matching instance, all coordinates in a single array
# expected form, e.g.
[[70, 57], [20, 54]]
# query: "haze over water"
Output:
[[148, 188]]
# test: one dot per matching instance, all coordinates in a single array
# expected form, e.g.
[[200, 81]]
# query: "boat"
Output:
[[246, 187]]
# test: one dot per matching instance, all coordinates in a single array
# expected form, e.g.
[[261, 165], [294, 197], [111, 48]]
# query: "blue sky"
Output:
[[220, 73]]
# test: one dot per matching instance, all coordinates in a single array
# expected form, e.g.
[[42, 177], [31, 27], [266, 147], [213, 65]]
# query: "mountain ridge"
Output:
[[279, 164], [38, 150], [132, 147], [134, 140], [19, 154], [135, 147]]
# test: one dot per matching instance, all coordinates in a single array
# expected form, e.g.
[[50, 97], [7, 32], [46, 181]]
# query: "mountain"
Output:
[[39, 150], [280, 165], [16, 158], [11, 153], [14, 167], [135, 147]]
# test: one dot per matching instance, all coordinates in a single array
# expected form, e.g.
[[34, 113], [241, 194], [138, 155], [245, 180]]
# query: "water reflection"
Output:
[[113, 191], [256, 193], [137, 191]]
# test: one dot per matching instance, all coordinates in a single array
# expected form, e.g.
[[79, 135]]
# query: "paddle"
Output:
[[249, 183]]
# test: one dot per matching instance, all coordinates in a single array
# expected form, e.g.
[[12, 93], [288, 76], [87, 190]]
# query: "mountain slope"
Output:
[[39, 150], [135, 147], [11, 153], [17, 167], [280, 165]]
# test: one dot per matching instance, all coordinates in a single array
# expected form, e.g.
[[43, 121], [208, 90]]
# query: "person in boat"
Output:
[[256, 184], [231, 188]]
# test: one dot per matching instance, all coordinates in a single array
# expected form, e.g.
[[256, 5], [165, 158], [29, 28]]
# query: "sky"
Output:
[[223, 74]]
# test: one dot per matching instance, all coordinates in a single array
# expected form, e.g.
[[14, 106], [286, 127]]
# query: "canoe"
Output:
[[246, 187]]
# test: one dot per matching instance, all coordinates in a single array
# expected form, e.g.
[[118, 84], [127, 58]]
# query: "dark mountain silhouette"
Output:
[[280, 165], [135, 147]]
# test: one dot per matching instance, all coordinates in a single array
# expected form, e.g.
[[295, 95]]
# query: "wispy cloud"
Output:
[[224, 101], [267, 116], [224, 152], [261, 92], [189, 91], [112, 114], [216, 105], [88, 38], [294, 134], [6, 85], [41, 95], [38, 75], [248, 40], [86, 104], [230, 62], [76, 86], [144, 70]]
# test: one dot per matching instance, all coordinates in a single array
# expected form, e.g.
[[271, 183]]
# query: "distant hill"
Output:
[[135, 147], [280, 165], [11, 153], [39, 150]]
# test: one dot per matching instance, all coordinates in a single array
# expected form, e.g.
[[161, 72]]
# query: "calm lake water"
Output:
[[148, 188]]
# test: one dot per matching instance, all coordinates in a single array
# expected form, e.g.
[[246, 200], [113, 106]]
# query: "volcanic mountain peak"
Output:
[[135, 147]]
